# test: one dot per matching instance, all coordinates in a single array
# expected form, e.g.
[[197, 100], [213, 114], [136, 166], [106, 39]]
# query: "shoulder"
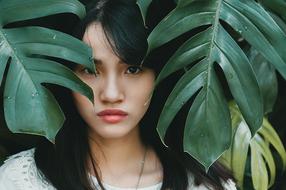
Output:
[[19, 172], [227, 185]]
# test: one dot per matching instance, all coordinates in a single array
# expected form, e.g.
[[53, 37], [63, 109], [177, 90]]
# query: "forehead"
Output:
[[95, 37], [94, 33]]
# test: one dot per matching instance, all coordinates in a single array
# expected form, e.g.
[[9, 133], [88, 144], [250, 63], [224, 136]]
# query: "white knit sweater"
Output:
[[19, 172]]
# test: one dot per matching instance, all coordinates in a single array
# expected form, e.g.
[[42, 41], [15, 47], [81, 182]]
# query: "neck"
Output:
[[116, 153]]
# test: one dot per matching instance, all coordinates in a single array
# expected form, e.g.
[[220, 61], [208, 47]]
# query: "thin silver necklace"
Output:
[[142, 168]]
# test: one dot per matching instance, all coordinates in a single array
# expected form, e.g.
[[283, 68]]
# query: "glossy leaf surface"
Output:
[[144, 5], [29, 107], [267, 79], [212, 46]]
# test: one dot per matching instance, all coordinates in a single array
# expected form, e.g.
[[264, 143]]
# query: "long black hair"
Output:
[[64, 164]]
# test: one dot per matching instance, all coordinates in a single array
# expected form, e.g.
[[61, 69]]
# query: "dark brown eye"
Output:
[[133, 69], [87, 71]]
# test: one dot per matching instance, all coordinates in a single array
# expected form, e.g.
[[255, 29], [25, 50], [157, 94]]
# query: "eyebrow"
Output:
[[99, 62]]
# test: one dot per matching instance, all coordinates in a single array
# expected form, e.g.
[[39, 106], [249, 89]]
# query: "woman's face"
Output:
[[121, 91]]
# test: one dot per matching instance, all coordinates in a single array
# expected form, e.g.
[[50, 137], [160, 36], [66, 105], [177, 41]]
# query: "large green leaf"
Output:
[[237, 155], [16, 10], [277, 6], [203, 141], [247, 17], [144, 5], [258, 168], [262, 166], [264, 150], [216, 46], [29, 107], [259, 29], [187, 86], [267, 79], [3, 59], [270, 135]]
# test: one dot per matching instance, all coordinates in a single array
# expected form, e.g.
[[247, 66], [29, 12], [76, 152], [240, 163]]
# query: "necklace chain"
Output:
[[142, 168]]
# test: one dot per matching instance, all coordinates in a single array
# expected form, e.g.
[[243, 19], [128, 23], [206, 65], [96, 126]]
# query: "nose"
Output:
[[111, 90]]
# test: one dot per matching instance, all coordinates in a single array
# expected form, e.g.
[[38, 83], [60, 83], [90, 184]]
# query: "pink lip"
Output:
[[112, 115]]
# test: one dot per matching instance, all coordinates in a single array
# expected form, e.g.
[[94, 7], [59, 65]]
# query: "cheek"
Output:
[[147, 85], [81, 102], [140, 92]]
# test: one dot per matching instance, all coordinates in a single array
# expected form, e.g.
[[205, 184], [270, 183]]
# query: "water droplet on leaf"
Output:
[[35, 94], [240, 39]]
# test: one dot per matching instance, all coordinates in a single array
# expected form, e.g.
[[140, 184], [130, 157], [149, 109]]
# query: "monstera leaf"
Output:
[[266, 77], [208, 126], [263, 168], [277, 6], [24, 54], [144, 5], [260, 155]]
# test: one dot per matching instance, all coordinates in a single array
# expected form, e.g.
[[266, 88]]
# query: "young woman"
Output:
[[112, 144]]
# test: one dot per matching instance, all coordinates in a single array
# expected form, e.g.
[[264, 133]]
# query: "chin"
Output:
[[113, 131]]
